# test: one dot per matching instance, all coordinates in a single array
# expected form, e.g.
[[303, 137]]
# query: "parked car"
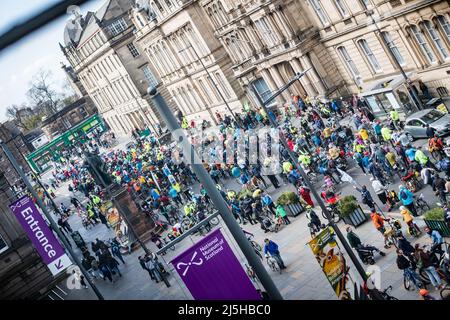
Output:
[[416, 123]]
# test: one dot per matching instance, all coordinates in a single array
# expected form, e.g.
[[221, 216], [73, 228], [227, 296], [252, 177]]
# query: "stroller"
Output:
[[268, 225]]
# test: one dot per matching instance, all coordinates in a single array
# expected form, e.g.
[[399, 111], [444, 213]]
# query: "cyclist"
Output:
[[406, 214], [404, 264], [271, 248], [378, 222], [437, 241], [407, 198]]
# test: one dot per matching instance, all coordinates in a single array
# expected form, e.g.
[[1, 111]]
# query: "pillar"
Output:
[[305, 80], [320, 88], [280, 82]]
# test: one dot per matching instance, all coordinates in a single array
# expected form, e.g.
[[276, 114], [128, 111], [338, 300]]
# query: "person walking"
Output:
[[378, 222], [115, 249], [271, 248], [151, 265]]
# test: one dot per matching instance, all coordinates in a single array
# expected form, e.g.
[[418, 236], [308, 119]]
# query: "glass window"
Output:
[[204, 91], [432, 116], [372, 101], [391, 45], [341, 7], [317, 6], [262, 89], [348, 60], [149, 77], [444, 25], [434, 35], [369, 55], [133, 50], [3, 244], [117, 26], [423, 44]]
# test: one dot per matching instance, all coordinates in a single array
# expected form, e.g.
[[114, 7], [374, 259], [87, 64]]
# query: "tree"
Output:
[[12, 112], [42, 94]]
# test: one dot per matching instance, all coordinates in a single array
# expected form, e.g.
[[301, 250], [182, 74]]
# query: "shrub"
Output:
[[347, 205], [287, 197], [434, 214]]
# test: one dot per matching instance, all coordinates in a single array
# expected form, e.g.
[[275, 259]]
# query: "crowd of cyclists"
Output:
[[328, 137]]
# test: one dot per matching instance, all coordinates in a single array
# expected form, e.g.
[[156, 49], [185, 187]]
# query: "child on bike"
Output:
[[412, 226]]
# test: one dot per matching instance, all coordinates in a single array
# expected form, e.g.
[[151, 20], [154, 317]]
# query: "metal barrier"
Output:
[[188, 232]]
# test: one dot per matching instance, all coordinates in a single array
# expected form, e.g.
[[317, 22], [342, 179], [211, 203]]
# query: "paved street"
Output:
[[303, 279]]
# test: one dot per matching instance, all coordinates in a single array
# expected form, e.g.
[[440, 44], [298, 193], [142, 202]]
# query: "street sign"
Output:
[[43, 239], [211, 271]]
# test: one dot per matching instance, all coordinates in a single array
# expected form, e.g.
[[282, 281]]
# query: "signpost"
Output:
[[211, 271], [46, 244]]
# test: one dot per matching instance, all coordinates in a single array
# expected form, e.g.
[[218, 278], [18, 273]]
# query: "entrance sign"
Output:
[[211, 271], [43, 239]]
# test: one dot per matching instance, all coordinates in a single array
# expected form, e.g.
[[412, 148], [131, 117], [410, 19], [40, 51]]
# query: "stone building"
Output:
[[269, 42], [19, 147], [67, 117], [23, 275], [180, 43], [100, 48], [359, 36]]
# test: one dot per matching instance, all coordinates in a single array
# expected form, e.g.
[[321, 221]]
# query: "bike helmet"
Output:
[[423, 292]]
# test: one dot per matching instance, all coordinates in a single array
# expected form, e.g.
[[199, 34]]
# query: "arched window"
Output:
[[317, 6], [369, 55], [445, 25], [391, 46], [348, 61], [436, 38], [262, 89], [423, 44]]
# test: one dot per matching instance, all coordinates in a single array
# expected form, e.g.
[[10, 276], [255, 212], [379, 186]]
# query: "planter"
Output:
[[294, 209], [438, 225], [356, 218]]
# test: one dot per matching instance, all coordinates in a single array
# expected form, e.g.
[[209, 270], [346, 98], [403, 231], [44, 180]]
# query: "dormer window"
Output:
[[117, 26]]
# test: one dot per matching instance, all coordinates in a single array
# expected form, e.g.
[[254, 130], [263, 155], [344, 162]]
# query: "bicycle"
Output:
[[273, 264], [421, 205], [256, 246], [445, 292], [385, 294], [408, 282], [334, 212]]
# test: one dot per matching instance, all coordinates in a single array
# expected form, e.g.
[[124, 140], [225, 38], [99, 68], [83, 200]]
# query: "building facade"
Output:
[[67, 118], [193, 65], [271, 41], [23, 274], [19, 147], [99, 48], [369, 40]]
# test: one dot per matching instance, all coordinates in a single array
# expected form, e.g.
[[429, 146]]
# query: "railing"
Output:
[[188, 232]]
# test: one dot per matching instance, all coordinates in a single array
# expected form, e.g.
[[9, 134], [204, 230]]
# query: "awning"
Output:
[[386, 84]]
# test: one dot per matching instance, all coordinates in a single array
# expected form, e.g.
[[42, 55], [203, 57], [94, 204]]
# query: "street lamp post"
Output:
[[213, 82], [216, 197], [293, 158], [415, 99], [53, 225]]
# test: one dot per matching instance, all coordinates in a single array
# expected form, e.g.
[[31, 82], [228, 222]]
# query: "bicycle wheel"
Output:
[[256, 245], [407, 283], [445, 292], [424, 277], [186, 224]]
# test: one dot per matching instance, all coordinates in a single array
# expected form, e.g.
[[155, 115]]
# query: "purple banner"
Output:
[[211, 271], [39, 233]]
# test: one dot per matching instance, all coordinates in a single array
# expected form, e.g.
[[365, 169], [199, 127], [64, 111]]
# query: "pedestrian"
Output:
[[151, 265], [113, 265], [271, 248], [305, 193], [105, 271], [425, 263], [79, 278], [115, 249], [102, 218], [437, 241], [366, 197]]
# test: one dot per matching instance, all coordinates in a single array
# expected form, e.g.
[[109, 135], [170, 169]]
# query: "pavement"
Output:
[[302, 280]]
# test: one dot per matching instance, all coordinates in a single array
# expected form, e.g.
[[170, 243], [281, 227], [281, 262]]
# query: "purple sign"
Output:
[[46, 244], [211, 271]]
